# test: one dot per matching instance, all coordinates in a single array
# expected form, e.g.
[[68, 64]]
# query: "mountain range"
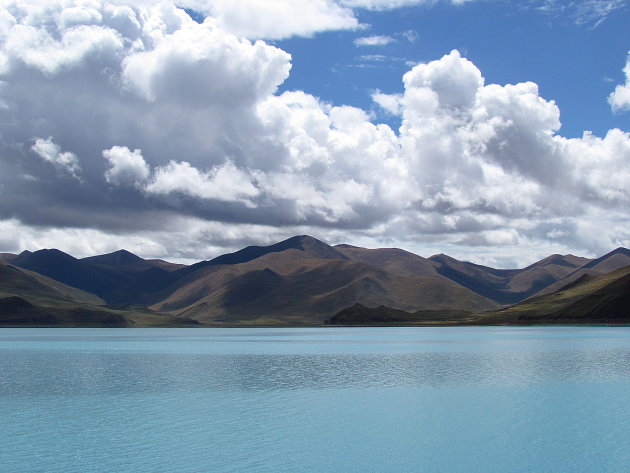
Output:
[[299, 281]]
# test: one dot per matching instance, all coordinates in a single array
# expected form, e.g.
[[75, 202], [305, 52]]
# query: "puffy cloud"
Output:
[[219, 153], [203, 66], [224, 183], [51, 152], [38, 48], [277, 19], [126, 167], [373, 41], [388, 102], [619, 99], [450, 83]]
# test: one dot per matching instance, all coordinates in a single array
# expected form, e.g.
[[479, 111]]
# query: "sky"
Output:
[[495, 131]]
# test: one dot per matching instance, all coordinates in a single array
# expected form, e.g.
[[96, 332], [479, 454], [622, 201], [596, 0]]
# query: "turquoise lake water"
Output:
[[363, 400]]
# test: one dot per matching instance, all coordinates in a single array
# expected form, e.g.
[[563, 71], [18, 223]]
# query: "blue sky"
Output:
[[576, 57], [495, 131]]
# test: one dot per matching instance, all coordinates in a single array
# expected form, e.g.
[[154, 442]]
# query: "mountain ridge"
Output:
[[302, 280]]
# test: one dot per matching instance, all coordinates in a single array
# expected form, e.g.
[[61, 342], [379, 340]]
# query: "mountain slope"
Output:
[[15, 311], [394, 260], [616, 259], [118, 278], [69, 270], [289, 287], [35, 287], [590, 299], [507, 286], [118, 258], [358, 314], [310, 247], [7, 257]]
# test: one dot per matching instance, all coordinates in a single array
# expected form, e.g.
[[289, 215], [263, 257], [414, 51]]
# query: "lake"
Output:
[[421, 399]]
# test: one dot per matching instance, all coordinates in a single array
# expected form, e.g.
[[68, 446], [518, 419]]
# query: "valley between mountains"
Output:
[[304, 281]]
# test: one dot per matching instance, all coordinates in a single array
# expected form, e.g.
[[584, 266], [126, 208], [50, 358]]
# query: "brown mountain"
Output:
[[308, 283], [591, 299], [614, 260], [7, 257], [300, 280], [393, 260]]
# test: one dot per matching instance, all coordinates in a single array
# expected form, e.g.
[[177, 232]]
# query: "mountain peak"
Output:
[[613, 260], [313, 247], [47, 255], [345, 245], [117, 258]]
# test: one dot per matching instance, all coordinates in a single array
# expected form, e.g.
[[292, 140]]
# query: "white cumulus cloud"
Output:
[[51, 152], [126, 167], [225, 182], [619, 99]]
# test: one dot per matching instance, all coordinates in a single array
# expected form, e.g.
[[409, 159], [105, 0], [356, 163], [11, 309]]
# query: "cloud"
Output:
[[586, 12], [277, 19], [126, 167], [373, 57], [380, 5], [391, 103], [223, 183], [619, 99], [204, 66], [410, 35], [373, 41], [51, 152], [181, 139]]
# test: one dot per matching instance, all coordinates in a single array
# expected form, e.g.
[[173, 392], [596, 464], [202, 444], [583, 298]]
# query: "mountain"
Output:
[[508, 286], [29, 298], [119, 277], [301, 281], [7, 257], [118, 258], [310, 248], [125, 259], [40, 289], [616, 259], [600, 299], [69, 270], [394, 260], [306, 284]]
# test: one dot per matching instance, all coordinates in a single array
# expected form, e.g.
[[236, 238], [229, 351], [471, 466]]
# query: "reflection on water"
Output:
[[340, 399], [40, 373]]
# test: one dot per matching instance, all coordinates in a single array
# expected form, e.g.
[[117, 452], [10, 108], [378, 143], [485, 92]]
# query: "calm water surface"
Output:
[[315, 400]]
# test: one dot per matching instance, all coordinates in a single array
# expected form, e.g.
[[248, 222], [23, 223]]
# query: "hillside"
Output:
[[295, 287], [40, 289], [602, 299], [616, 259], [393, 260], [29, 298], [358, 314], [508, 286], [118, 278]]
